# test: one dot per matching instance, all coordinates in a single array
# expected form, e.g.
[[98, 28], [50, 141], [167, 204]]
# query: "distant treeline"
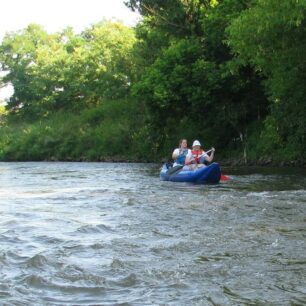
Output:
[[229, 73]]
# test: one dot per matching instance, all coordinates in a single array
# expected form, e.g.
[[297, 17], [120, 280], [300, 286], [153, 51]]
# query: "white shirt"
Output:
[[177, 152]]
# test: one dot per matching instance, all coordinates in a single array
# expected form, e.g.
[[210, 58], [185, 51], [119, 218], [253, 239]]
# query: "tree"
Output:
[[271, 37], [67, 71], [177, 17], [18, 58], [108, 62], [189, 85]]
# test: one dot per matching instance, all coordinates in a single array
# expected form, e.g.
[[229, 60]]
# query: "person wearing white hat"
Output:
[[199, 156]]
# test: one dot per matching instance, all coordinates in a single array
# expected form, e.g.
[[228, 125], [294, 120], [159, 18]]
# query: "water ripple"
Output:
[[114, 234]]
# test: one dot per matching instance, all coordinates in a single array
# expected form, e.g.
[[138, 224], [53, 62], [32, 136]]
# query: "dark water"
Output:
[[114, 234]]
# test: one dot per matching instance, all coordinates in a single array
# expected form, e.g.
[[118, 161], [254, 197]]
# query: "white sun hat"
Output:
[[196, 143]]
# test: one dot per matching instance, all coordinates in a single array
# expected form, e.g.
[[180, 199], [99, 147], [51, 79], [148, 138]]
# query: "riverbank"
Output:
[[109, 134], [262, 162], [226, 162]]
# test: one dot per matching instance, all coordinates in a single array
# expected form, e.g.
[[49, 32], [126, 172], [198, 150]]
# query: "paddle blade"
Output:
[[175, 169], [224, 177]]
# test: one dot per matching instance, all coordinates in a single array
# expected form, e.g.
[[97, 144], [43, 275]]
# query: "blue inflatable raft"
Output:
[[206, 175]]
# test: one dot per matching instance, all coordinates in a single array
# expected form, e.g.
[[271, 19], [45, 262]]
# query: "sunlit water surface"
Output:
[[114, 234]]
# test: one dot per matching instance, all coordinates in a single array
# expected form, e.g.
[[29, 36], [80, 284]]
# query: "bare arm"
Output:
[[175, 154], [210, 157]]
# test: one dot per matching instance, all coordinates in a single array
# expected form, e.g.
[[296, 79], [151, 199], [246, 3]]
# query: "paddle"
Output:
[[224, 177], [174, 169], [206, 152], [178, 168]]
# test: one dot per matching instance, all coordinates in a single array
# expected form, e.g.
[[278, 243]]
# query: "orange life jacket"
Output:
[[196, 155]]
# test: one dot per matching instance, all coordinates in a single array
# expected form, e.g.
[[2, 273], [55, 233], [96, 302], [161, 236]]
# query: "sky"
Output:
[[55, 15]]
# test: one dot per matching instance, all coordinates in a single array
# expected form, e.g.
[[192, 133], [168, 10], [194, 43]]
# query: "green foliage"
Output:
[[190, 89], [271, 36], [66, 71], [178, 18], [2, 110], [230, 73], [177, 85], [269, 140], [98, 133]]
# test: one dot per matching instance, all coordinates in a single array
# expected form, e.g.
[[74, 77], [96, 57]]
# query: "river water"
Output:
[[114, 234]]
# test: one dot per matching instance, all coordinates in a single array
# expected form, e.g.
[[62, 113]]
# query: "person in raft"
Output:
[[198, 156], [181, 154]]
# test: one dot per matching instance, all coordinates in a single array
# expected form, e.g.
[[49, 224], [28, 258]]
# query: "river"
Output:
[[114, 234]]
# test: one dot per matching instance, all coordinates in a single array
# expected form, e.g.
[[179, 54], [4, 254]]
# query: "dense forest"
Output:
[[231, 73]]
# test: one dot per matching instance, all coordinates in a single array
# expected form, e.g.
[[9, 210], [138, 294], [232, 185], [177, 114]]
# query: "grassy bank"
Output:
[[109, 133], [106, 132]]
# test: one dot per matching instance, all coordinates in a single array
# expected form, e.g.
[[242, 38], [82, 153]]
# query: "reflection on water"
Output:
[[114, 234]]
